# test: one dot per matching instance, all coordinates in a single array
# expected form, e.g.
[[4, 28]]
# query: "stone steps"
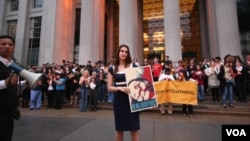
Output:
[[208, 107]]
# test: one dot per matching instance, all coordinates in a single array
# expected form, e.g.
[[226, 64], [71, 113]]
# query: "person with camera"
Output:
[[8, 89]]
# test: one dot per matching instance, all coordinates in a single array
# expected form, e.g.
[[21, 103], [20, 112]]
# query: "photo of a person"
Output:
[[141, 89], [142, 93]]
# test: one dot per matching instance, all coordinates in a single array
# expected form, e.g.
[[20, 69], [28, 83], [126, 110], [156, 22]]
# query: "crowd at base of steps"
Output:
[[225, 79]]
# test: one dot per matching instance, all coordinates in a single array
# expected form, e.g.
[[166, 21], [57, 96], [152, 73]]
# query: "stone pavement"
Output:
[[204, 108], [68, 124], [71, 125]]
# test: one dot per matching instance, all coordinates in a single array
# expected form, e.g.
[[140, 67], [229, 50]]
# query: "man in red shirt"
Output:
[[156, 69]]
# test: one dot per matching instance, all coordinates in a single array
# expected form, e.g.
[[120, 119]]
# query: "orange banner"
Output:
[[184, 92]]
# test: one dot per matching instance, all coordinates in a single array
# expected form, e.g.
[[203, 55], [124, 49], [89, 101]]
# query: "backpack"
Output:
[[221, 74]]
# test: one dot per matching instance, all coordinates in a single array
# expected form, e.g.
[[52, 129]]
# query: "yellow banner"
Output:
[[184, 92]]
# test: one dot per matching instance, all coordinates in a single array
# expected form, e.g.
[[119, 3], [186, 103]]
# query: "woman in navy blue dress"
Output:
[[125, 120]]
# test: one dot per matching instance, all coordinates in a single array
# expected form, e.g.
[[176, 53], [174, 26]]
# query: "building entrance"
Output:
[[153, 29]]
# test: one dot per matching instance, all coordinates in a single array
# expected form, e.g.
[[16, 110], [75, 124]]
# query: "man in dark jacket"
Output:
[[8, 89], [89, 67]]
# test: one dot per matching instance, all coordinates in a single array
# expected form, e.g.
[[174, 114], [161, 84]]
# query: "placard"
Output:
[[184, 92], [142, 92]]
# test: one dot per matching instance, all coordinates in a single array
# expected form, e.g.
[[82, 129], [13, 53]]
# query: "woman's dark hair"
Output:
[[167, 70], [117, 59], [168, 62], [198, 65], [212, 59], [102, 70], [237, 58], [218, 58], [226, 57], [184, 72]]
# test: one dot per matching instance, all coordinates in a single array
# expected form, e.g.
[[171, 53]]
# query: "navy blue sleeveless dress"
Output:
[[125, 120]]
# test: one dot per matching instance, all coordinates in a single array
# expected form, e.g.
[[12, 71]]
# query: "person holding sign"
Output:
[[125, 120], [187, 109], [93, 92], [166, 76]]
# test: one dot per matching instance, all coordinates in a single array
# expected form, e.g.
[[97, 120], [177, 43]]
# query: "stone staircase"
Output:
[[207, 107]]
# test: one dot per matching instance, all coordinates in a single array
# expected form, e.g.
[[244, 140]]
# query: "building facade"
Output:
[[49, 31]]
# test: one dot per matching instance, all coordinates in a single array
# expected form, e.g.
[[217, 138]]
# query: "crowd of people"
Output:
[[86, 85], [83, 85], [227, 79]]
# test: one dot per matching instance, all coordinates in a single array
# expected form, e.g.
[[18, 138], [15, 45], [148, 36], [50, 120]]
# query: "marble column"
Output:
[[227, 28], [111, 29], [205, 51], [212, 28], [3, 10], [64, 31], [172, 29], [128, 25], [48, 33], [86, 31], [98, 40], [139, 32], [21, 51]]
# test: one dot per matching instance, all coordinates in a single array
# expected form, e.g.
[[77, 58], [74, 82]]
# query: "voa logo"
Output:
[[236, 132]]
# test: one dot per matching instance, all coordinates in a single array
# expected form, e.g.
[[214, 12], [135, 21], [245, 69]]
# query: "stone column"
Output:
[[203, 29], [139, 31], [47, 50], [3, 10], [21, 51], [86, 32], [111, 17], [227, 26], [212, 28], [172, 29], [63, 44], [98, 40], [128, 25]]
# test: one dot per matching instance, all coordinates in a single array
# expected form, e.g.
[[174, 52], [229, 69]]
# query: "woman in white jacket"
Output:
[[213, 82], [166, 76]]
